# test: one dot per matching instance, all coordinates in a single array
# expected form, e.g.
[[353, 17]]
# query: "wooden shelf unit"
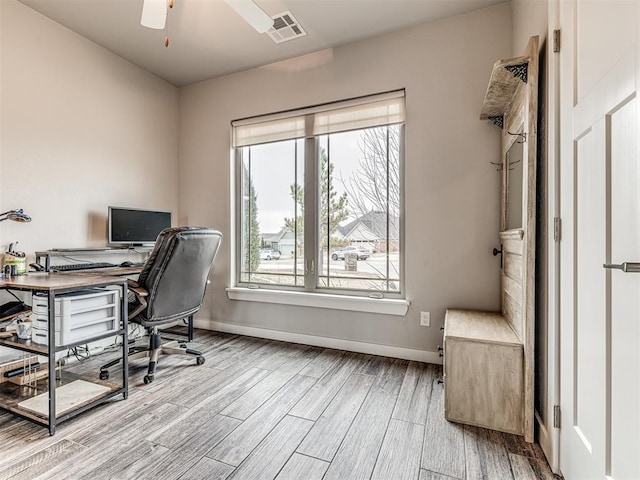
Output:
[[489, 357], [51, 376], [483, 371]]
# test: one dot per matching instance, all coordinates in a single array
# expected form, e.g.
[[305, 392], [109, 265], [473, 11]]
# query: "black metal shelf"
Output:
[[47, 377]]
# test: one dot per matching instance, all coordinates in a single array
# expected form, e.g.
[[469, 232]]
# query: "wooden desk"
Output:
[[45, 282], [114, 271], [107, 272], [55, 284]]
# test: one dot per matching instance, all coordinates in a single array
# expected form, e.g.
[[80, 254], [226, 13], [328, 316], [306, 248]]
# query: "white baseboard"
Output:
[[325, 342]]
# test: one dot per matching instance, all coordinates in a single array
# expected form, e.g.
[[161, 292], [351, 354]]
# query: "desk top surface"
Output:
[[57, 281], [109, 271]]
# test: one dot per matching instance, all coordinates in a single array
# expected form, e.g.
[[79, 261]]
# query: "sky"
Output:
[[273, 172]]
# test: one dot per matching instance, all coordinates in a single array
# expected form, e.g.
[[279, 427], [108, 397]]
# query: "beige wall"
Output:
[[81, 129], [451, 190], [530, 17]]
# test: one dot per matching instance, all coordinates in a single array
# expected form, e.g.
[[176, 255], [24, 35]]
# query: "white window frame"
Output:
[[310, 123]]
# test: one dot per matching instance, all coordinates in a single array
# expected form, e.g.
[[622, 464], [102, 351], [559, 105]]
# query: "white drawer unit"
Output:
[[78, 316], [41, 336]]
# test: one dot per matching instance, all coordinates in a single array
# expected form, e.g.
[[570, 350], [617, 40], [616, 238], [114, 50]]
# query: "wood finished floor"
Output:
[[260, 409]]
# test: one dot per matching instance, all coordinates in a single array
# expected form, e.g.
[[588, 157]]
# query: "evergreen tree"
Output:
[[333, 208], [251, 230]]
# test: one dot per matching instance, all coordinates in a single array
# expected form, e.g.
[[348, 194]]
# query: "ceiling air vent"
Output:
[[285, 27]]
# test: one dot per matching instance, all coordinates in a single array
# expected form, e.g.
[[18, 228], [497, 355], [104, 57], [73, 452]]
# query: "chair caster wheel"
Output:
[[200, 360], [104, 375], [147, 379]]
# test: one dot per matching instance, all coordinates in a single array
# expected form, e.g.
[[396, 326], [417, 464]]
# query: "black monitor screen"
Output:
[[131, 226]]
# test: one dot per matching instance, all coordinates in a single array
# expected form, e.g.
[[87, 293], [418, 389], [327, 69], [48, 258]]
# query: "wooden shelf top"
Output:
[[502, 88], [472, 325]]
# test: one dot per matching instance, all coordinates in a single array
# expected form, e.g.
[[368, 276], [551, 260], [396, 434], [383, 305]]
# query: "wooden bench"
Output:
[[483, 371]]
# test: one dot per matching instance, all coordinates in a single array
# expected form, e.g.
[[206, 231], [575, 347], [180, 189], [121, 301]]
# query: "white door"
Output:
[[600, 211]]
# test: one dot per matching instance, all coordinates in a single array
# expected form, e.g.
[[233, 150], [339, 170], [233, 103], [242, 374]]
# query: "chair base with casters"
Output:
[[153, 352]]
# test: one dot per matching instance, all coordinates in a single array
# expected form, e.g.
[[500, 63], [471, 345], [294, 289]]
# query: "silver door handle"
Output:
[[630, 267]]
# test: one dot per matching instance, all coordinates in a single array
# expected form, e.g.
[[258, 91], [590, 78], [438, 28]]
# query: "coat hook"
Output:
[[523, 136], [497, 252]]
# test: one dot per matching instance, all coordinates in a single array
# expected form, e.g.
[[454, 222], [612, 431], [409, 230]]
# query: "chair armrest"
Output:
[[136, 288], [139, 293]]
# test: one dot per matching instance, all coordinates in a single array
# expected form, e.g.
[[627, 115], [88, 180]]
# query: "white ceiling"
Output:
[[208, 39]]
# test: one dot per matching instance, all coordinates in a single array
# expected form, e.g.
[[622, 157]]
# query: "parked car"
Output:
[[362, 253], [268, 254]]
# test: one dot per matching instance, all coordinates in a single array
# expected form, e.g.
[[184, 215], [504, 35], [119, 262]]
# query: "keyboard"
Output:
[[69, 267]]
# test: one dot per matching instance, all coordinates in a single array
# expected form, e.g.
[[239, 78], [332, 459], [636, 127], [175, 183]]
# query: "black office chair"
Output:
[[170, 288]]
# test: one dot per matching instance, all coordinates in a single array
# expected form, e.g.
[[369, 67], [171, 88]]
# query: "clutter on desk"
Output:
[[19, 325], [23, 328], [15, 262], [13, 367], [11, 308]]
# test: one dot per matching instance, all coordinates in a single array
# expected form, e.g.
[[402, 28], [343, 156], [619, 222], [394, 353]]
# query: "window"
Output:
[[319, 197]]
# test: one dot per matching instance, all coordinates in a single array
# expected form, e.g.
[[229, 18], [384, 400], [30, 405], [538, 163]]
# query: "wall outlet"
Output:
[[425, 319]]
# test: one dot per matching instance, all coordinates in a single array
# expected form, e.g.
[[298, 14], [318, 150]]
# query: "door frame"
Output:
[[560, 118], [548, 433]]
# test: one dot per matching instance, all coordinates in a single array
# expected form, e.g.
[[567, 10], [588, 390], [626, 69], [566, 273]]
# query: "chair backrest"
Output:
[[176, 273]]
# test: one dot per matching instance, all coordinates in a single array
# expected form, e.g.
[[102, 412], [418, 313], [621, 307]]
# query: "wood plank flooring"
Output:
[[260, 409]]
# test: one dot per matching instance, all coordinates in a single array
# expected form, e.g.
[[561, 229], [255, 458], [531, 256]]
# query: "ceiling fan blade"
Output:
[[252, 13], [154, 14]]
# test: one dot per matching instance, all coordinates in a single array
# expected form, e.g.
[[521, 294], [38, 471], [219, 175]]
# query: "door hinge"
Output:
[[557, 229], [556, 416], [556, 41]]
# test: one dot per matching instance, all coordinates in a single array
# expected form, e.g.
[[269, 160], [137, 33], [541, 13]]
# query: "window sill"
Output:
[[387, 306]]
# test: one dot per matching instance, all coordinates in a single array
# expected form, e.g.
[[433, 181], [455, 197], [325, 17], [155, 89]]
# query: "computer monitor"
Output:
[[134, 226]]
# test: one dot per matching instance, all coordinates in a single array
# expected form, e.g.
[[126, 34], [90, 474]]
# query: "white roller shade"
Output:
[[376, 114], [363, 112], [270, 131]]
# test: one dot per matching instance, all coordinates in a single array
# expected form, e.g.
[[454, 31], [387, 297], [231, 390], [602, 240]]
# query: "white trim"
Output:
[[325, 342], [548, 435], [354, 114], [325, 107], [388, 306], [544, 439]]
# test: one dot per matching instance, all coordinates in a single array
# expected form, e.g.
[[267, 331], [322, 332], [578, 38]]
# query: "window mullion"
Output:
[[296, 213], [401, 217], [249, 216], [387, 201], [311, 172], [239, 214]]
